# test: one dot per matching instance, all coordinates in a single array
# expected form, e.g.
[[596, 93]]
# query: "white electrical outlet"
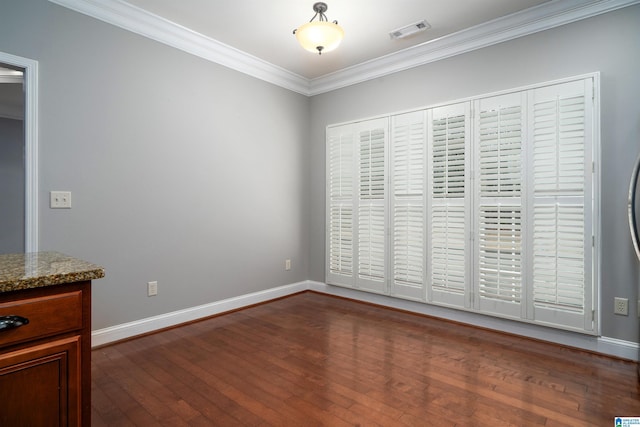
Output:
[[287, 264], [60, 199], [152, 288], [621, 306]]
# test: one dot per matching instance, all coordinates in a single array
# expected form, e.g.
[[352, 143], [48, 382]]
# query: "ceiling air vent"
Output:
[[409, 30]]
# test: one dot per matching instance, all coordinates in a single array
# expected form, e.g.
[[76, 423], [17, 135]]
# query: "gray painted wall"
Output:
[[12, 179], [181, 170], [607, 43]]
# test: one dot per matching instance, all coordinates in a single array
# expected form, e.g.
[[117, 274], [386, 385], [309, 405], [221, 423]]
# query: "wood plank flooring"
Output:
[[312, 359]]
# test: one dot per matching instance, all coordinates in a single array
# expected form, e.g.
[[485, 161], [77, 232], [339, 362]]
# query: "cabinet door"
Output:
[[40, 385]]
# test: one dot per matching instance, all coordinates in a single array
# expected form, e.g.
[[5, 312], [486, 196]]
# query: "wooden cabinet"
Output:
[[40, 385], [45, 364]]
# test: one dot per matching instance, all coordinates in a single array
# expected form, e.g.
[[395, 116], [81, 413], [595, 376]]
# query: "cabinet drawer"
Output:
[[48, 315]]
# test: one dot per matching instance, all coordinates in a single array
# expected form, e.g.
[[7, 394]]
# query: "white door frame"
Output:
[[31, 146]]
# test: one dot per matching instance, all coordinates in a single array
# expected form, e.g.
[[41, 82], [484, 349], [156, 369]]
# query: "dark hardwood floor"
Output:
[[312, 359]]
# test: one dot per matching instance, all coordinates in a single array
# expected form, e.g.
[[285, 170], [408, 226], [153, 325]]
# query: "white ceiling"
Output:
[[264, 29]]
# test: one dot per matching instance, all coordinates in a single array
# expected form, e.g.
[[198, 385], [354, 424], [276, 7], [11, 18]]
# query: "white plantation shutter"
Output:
[[562, 282], [559, 149], [372, 146], [559, 248], [500, 145], [484, 205], [448, 252], [372, 164], [499, 217], [448, 159], [408, 164], [341, 243], [356, 206], [371, 241], [499, 266], [408, 246], [449, 138], [340, 215]]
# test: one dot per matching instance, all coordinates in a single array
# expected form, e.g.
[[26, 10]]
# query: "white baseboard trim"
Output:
[[605, 345], [620, 348], [115, 333]]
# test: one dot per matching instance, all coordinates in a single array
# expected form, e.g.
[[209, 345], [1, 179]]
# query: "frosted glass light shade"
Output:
[[319, 36]]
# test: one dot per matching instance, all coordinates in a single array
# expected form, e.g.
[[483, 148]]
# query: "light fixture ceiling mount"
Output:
[[321, 35]]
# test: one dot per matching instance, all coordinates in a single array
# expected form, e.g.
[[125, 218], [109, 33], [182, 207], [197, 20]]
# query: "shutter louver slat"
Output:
[[372, 164], [500, 257], [408, 176], [559, 256], [448, 215], [341, 231], [408, 244], [559, 247], [448, 248], [408, 161], [499, 265], [341, 204], [559, 146], [449, 157], [371, 209], [341, 166], [500, 152], [371, 250]]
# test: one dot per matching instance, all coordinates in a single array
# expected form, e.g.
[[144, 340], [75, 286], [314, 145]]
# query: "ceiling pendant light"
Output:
[[321, 35]]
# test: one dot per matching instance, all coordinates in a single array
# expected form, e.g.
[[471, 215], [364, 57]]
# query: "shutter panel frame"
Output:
[[449, 205], [340, 201], [554, 200], [408, 206], [372, 265], [500, 218]]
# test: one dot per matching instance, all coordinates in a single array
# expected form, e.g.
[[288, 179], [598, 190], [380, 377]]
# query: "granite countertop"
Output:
[[39, 269]]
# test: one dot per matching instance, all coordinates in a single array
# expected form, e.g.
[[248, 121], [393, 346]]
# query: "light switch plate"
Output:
[[152, 288], [60, 199]]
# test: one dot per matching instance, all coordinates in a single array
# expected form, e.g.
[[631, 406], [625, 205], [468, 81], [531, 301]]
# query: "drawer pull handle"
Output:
[[12, 322]]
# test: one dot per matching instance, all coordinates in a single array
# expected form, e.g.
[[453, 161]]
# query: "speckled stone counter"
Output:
[[39, 269]]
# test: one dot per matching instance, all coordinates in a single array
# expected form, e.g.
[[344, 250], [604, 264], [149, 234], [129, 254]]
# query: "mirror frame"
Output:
[[31, 146]]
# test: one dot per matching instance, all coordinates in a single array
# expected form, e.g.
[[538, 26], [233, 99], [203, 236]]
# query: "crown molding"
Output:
[[139, 21], [546, 16], [540, 18]]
